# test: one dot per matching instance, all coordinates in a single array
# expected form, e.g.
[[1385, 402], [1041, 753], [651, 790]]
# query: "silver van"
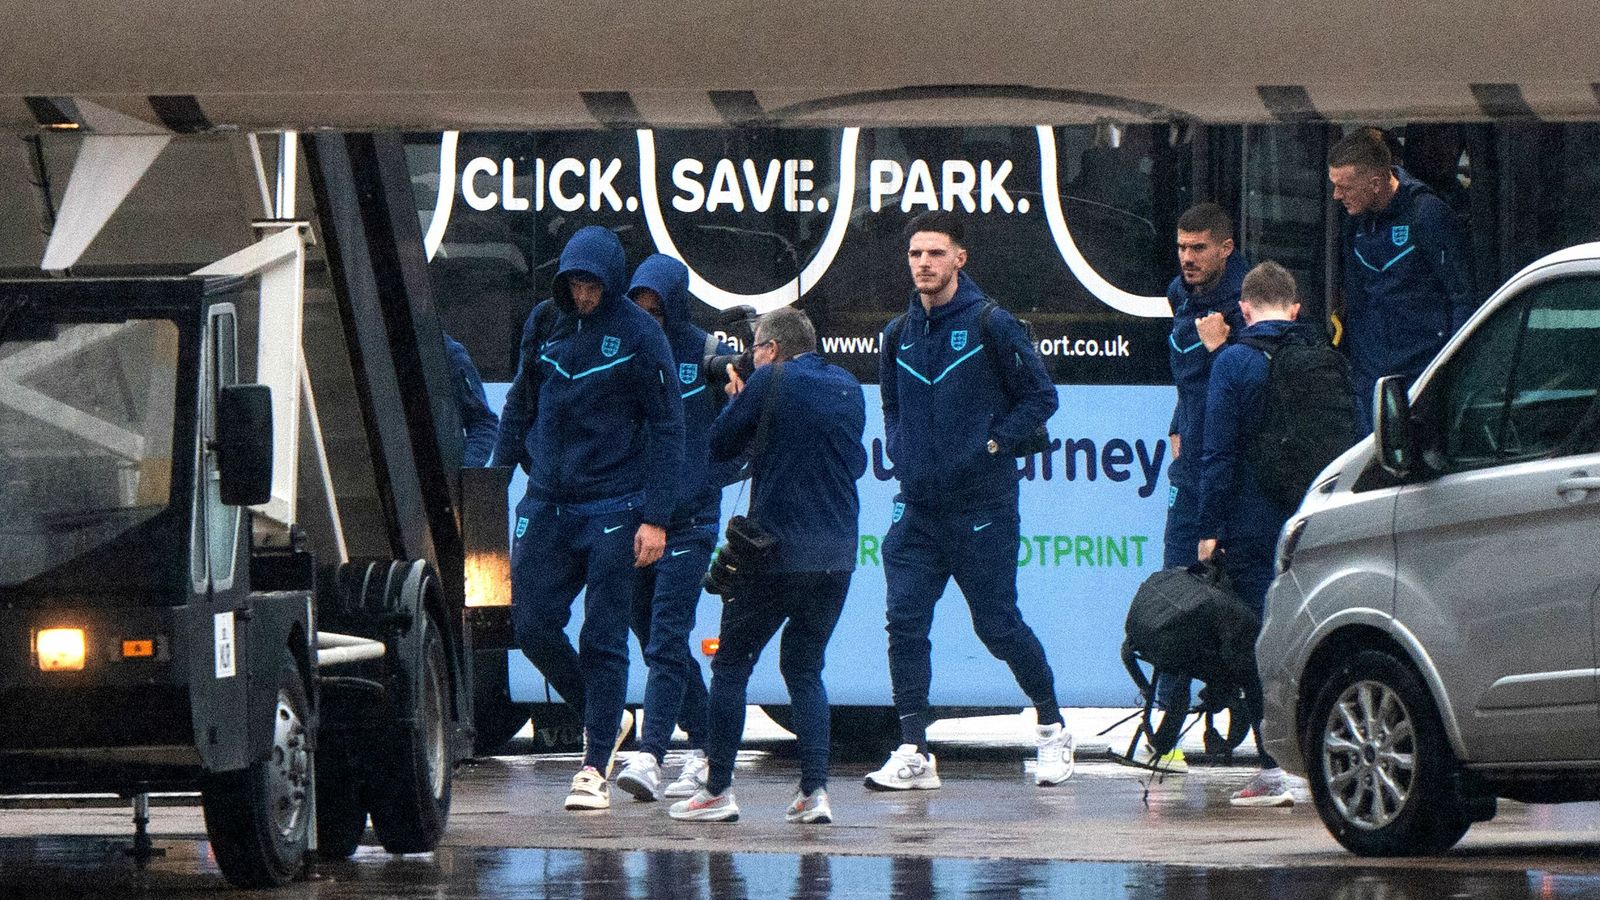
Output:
[[1429, 643]]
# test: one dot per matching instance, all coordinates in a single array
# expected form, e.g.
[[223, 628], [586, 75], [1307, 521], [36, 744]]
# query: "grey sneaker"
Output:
[[589, 790], [641, 777], [705, 807], [1055, 763], [693, 777], [810, 809], [1270, 787], [906, 770]]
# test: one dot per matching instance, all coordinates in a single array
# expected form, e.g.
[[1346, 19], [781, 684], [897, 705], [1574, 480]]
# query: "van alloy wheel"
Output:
[[1369, 751]]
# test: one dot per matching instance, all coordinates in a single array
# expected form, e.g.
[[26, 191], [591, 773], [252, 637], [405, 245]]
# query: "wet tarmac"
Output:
[[989, 832]]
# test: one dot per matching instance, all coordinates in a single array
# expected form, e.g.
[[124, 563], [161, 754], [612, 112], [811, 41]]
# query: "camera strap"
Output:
[[758, 444]]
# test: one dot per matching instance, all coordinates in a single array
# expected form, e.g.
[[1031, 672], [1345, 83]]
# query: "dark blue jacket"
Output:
[[1191, 361], [804, 483], [593, 412], [699, 483], [1232, 505], [1407, 283], [478, 421], [944, 399]]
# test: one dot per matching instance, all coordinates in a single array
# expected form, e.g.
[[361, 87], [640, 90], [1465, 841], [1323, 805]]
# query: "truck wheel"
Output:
[[1382, 772], [256, 819], [409, 794], [341, 811]]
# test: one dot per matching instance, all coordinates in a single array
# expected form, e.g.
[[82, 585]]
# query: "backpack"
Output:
[[1039, 441], [1309, 417], [1190, 620]]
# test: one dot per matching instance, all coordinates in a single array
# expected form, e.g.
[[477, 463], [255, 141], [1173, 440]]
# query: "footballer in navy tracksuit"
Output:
[[1407, 287], [954, 411], [664, 609], [1234, 510], [1191, 369], [594, 415]]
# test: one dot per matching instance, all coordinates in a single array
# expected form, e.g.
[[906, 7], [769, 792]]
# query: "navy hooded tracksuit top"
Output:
[[699, 481], [1233, 507], [804, 484], [945, 398], [594, 413], [1191, 361], [1407, 285]]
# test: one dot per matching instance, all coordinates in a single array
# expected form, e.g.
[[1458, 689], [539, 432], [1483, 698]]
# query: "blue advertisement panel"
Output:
[[1092, 510]]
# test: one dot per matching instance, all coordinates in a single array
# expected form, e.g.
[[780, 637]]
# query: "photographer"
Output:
[[801, 419]]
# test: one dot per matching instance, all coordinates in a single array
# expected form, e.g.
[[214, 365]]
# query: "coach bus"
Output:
[[778, 154]]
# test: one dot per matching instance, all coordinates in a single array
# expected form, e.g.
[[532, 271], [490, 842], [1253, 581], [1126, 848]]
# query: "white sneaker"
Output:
[[906, 770], [810, 809], [693, 777], [624, 727], [1056, 761], [704, 807], [1170, 763], [589, 790], [641, 777], [1269, 787]]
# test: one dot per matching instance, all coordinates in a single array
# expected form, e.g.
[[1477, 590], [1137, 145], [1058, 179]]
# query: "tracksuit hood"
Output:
[[669, 278], [596, 251]]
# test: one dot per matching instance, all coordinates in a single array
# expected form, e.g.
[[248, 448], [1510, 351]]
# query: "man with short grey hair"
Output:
[[801, 421]]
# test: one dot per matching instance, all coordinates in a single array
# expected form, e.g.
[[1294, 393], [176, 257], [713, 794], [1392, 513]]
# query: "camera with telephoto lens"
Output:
[[715, 365], [746, 544]]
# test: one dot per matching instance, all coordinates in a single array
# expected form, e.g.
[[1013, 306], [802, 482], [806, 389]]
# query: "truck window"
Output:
[[86, 422]]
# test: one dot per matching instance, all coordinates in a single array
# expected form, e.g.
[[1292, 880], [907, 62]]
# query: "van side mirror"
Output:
[[244, 444], [1392, 428]]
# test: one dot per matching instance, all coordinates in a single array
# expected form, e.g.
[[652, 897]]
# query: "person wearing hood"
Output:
[[1205, 311], [594, 417], [954, 413], [1237, 517], [664, 608], [1407, 279]]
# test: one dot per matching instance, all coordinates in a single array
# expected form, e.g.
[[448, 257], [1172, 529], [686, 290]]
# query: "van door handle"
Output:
[[1579, 483]]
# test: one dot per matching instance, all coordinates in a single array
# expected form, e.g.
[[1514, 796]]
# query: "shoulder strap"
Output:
[[1267, 346], [758, 443], [711, 346]]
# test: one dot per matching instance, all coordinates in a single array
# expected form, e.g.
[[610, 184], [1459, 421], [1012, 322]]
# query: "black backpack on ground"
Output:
[[1189, 620], [1309, 417], [1039, 441]]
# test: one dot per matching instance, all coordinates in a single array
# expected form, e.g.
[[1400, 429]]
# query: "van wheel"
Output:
[[1382, 772], [409, 792], [257, 819]]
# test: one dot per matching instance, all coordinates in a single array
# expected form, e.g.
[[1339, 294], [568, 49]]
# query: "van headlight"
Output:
[[1288, 540]]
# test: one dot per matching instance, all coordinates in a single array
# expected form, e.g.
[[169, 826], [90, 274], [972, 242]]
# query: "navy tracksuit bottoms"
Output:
[[922, 552], [558, 551], [663, 615]]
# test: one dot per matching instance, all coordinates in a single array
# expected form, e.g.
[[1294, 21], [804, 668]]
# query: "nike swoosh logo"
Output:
[[981, 527], [908, 346], [681, 552], [611, 529]]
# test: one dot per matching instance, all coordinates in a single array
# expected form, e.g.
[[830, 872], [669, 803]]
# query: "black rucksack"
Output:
[[1309, 416], [1190, 621], [1039, 441]]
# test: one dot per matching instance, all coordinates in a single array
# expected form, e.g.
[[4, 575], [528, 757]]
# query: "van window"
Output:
[[1524, 385]]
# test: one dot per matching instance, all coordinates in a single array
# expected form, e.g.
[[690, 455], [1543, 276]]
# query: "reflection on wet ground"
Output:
[[989, 832], [86, 867]]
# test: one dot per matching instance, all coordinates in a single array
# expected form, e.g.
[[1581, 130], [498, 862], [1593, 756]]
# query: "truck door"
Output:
[[1496, 554], [217, 563]]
